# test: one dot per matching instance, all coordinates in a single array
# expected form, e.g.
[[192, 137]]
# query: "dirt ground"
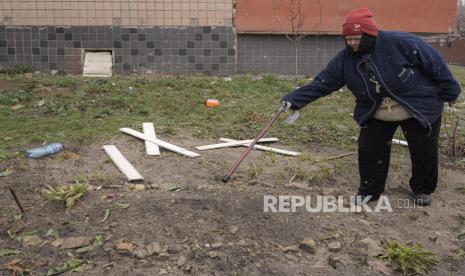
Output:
[[204, 227]]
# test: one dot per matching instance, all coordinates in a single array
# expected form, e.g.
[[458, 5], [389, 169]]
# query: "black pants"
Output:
[[374, 150]]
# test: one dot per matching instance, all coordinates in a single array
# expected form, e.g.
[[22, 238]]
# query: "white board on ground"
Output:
[[159, 142], [234, 143], [394, 141], [149, 131], [122, 163], [260, 147]]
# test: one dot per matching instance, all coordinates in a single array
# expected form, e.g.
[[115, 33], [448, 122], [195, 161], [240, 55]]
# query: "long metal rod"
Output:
[[246, 152]]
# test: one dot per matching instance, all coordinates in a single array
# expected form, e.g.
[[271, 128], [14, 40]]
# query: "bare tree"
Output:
[[461, 18], [294, 31]]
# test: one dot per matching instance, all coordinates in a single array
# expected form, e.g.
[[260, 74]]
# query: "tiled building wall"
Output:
[[167, 36], [274, 54], [207, 50], [116, 12]]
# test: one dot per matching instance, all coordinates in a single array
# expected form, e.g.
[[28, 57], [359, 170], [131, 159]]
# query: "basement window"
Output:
[[98, 63]]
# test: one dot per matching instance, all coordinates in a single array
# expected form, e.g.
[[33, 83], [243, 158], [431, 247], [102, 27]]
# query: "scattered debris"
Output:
[[291, 248], [334, 247], [32, 240], [233, 230], [7, 172], [175, 189], [181, 261], [123, 205], [9, 252], [216, 245], [141, 253], [153, 248], [57, 242], [379, 266], [125, 248], [98, 241], [308, 245], [212, 103], [122, 163], [106, 214], [369, 247], [70, 265], [51, 233], [75, 242], [15, 268], [341, 155], [17, 107], [215, 254], [139, 187], [45, 150], [333, 261], [175, 249]]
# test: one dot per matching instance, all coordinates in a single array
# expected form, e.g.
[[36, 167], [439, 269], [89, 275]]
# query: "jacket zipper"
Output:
[[398, 99], [368, 91]]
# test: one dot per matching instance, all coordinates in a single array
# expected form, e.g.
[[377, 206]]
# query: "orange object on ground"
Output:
[[212, 103]]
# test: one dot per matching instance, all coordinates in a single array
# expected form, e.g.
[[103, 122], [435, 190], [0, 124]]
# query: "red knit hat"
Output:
[[360, 21]]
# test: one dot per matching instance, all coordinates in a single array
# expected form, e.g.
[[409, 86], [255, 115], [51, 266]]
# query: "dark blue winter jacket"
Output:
[[403, 66]]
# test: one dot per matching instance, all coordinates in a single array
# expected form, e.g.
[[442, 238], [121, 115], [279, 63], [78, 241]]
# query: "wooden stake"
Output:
[[341, 155], [16, 199]]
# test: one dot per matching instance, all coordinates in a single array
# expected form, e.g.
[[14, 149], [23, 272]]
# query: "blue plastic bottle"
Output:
[[44, 150]]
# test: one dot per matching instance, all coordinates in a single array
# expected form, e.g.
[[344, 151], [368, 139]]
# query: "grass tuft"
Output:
[[67, 195], [410, 260]]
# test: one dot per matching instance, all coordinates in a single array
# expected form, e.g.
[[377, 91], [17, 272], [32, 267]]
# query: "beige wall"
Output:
[[116, 12]]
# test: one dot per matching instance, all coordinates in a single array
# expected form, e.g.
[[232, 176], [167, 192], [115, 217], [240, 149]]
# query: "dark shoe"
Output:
[[359, 199], [422, 199]]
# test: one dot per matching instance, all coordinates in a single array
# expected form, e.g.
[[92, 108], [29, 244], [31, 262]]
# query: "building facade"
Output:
[[185, 36], [212, 37]]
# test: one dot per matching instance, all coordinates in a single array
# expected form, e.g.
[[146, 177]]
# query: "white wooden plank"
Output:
[[159, 142], [149, 131], [260, 147], [394, 141], [234, 143], [400, 142], [122, 163]]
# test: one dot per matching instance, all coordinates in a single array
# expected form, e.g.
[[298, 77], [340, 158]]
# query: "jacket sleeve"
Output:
[[327, 81], [435, 67]]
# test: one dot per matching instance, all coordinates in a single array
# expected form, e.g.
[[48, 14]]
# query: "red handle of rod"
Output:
[[246, 152]]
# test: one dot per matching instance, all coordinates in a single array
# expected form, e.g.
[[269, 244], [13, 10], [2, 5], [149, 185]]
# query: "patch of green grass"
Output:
[[17, 69], [255, 170], [410, 260], [304, 169], [76, 110], [15, 97], [413, 216]]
